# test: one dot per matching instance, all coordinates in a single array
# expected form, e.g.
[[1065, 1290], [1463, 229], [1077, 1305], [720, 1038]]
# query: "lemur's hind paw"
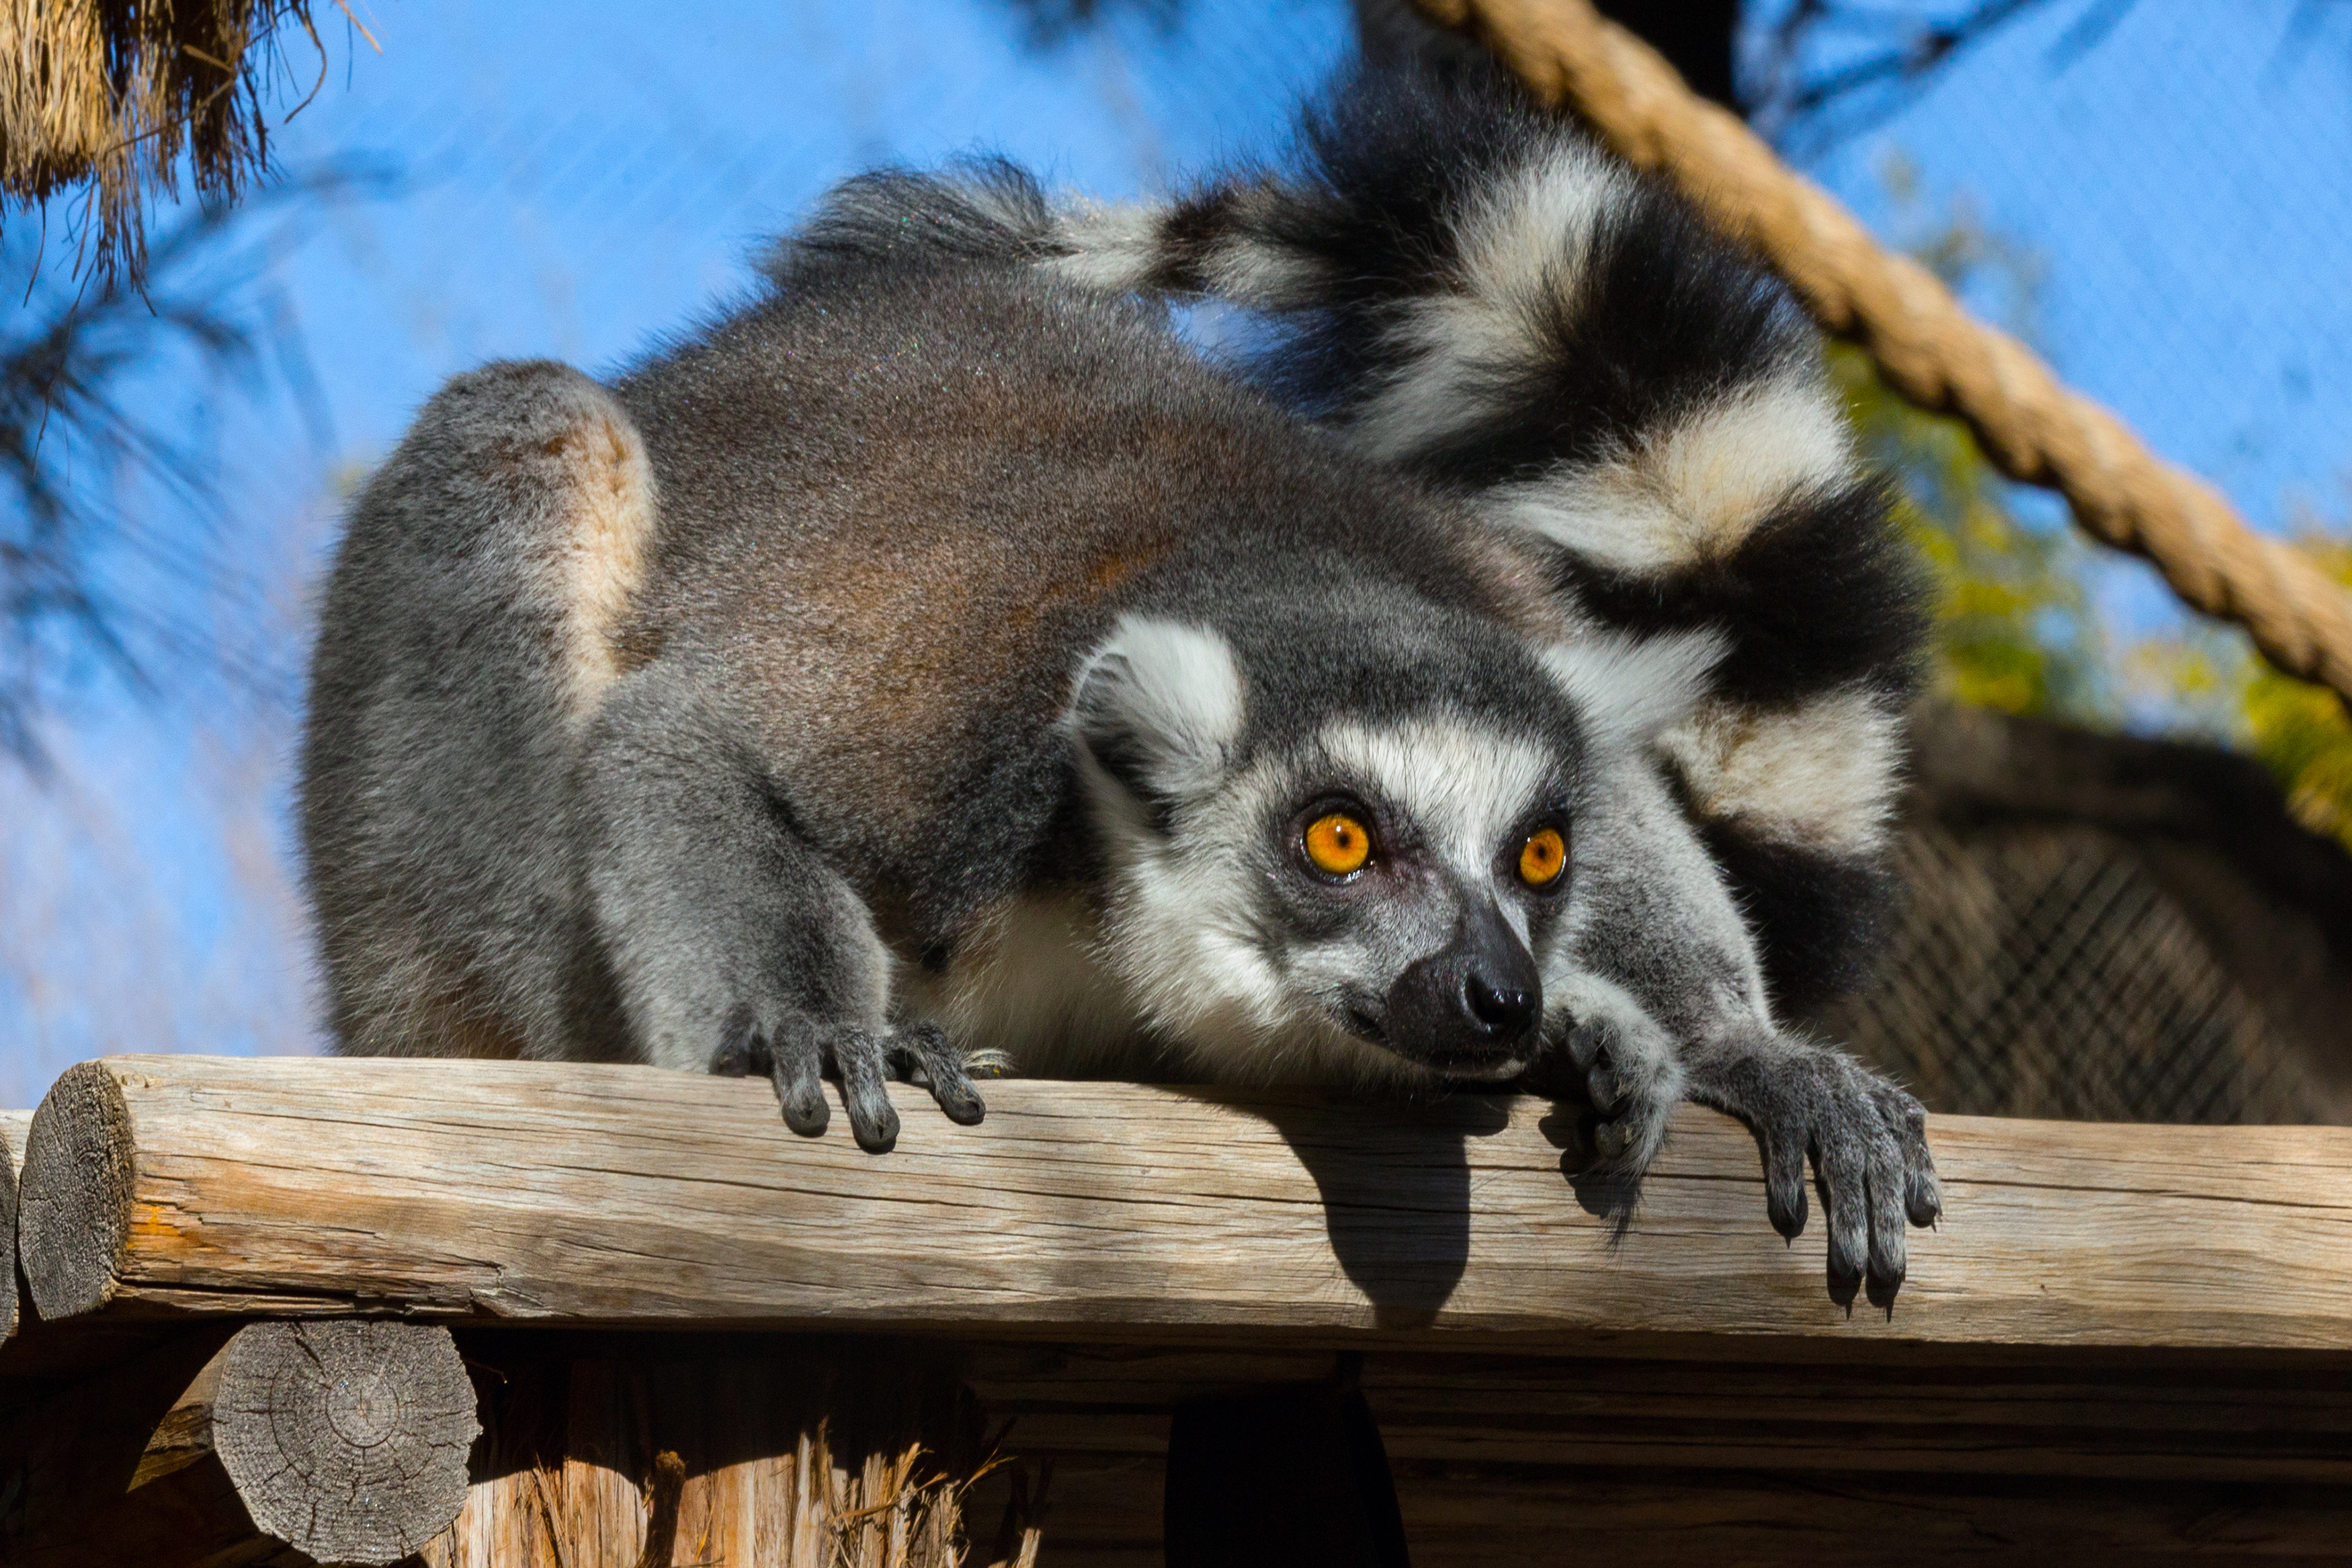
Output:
[[1867, 1138], [798, 1055], [1622, 1066]]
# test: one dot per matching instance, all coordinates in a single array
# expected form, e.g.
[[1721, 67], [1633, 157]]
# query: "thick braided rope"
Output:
[[1928, 348]]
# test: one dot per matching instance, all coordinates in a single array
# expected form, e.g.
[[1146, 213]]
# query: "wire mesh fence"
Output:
[[2042, 971], [2107, 928]]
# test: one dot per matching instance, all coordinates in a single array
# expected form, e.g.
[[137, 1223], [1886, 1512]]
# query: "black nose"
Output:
[[1499, 1010], [1473, 1006]]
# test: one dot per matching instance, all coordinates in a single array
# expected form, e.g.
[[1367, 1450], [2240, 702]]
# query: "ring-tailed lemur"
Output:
[[937, 654]]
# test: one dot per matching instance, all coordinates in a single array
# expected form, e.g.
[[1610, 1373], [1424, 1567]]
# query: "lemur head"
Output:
[[1343, 836]]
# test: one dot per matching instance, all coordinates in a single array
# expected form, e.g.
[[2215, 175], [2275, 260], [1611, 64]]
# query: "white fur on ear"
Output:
[[1629, 690], [1158, 707]]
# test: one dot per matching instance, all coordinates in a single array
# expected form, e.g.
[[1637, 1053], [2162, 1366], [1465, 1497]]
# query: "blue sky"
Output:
[[580, 178]]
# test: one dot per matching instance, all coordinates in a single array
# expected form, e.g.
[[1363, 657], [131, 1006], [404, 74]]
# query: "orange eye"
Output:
[[1339, 844], [1543, 858]]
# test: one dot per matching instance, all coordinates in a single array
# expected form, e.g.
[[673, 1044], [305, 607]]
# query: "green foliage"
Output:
[[2016, 628], [2301, 730]]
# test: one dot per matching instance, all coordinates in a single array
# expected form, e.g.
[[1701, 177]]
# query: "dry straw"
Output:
[[110, 95], [1928, 348]]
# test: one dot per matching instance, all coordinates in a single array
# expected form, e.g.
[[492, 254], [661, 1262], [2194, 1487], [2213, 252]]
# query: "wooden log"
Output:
[[346, 1440], [13, 1125], [628, 1195], [73, 1201]]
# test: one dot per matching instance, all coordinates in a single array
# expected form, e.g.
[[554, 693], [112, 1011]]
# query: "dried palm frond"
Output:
[[110, 94], [109, 514]]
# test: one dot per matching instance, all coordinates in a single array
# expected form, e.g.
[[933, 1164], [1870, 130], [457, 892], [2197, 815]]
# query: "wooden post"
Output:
[[346, 1440], [13, 1125], [646, 1452]]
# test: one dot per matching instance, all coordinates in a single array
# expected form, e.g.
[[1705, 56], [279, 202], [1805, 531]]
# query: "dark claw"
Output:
[[942, 1064], [1784, 1186], [1611, 1139], [873, 1120], [797, 1073], [1924, 1201], [1844, 1175]]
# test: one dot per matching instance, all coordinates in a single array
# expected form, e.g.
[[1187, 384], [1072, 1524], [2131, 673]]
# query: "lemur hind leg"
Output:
[[736, 946]]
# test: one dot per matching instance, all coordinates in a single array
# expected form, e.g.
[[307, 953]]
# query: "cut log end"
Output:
[[346, 1440], [73, 1210]]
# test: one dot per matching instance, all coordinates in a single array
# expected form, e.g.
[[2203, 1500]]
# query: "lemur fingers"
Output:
[[797, 1053], [1633, 1082], [924, 1054], [1867, 1140], [1618, 1060], [1923, 1191]]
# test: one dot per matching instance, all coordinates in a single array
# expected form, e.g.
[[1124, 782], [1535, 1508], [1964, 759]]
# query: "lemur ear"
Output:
[[1629, 690], [1158, 708]]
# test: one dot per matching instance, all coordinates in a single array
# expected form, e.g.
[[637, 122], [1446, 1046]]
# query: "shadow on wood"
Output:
[[1394, 1181]]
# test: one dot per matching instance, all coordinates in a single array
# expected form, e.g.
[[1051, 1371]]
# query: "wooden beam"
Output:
[[625, 1195], [1499, 1460]]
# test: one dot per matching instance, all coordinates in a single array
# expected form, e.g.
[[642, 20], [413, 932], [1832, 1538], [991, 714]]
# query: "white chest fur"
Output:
[[1029, 989]]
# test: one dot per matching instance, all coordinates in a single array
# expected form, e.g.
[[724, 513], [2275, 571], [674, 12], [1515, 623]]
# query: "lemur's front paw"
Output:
[[1867, 1140], [797, 1056], [1622, 1066]]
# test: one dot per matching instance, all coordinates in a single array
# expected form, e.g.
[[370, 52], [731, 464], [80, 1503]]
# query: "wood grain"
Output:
[[778, 1456], [346, 1440], [74, 1198], [621, 1195], [13, 1125]]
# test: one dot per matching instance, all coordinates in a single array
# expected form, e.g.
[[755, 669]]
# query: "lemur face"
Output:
[[1407, 872], [1377, 888]]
